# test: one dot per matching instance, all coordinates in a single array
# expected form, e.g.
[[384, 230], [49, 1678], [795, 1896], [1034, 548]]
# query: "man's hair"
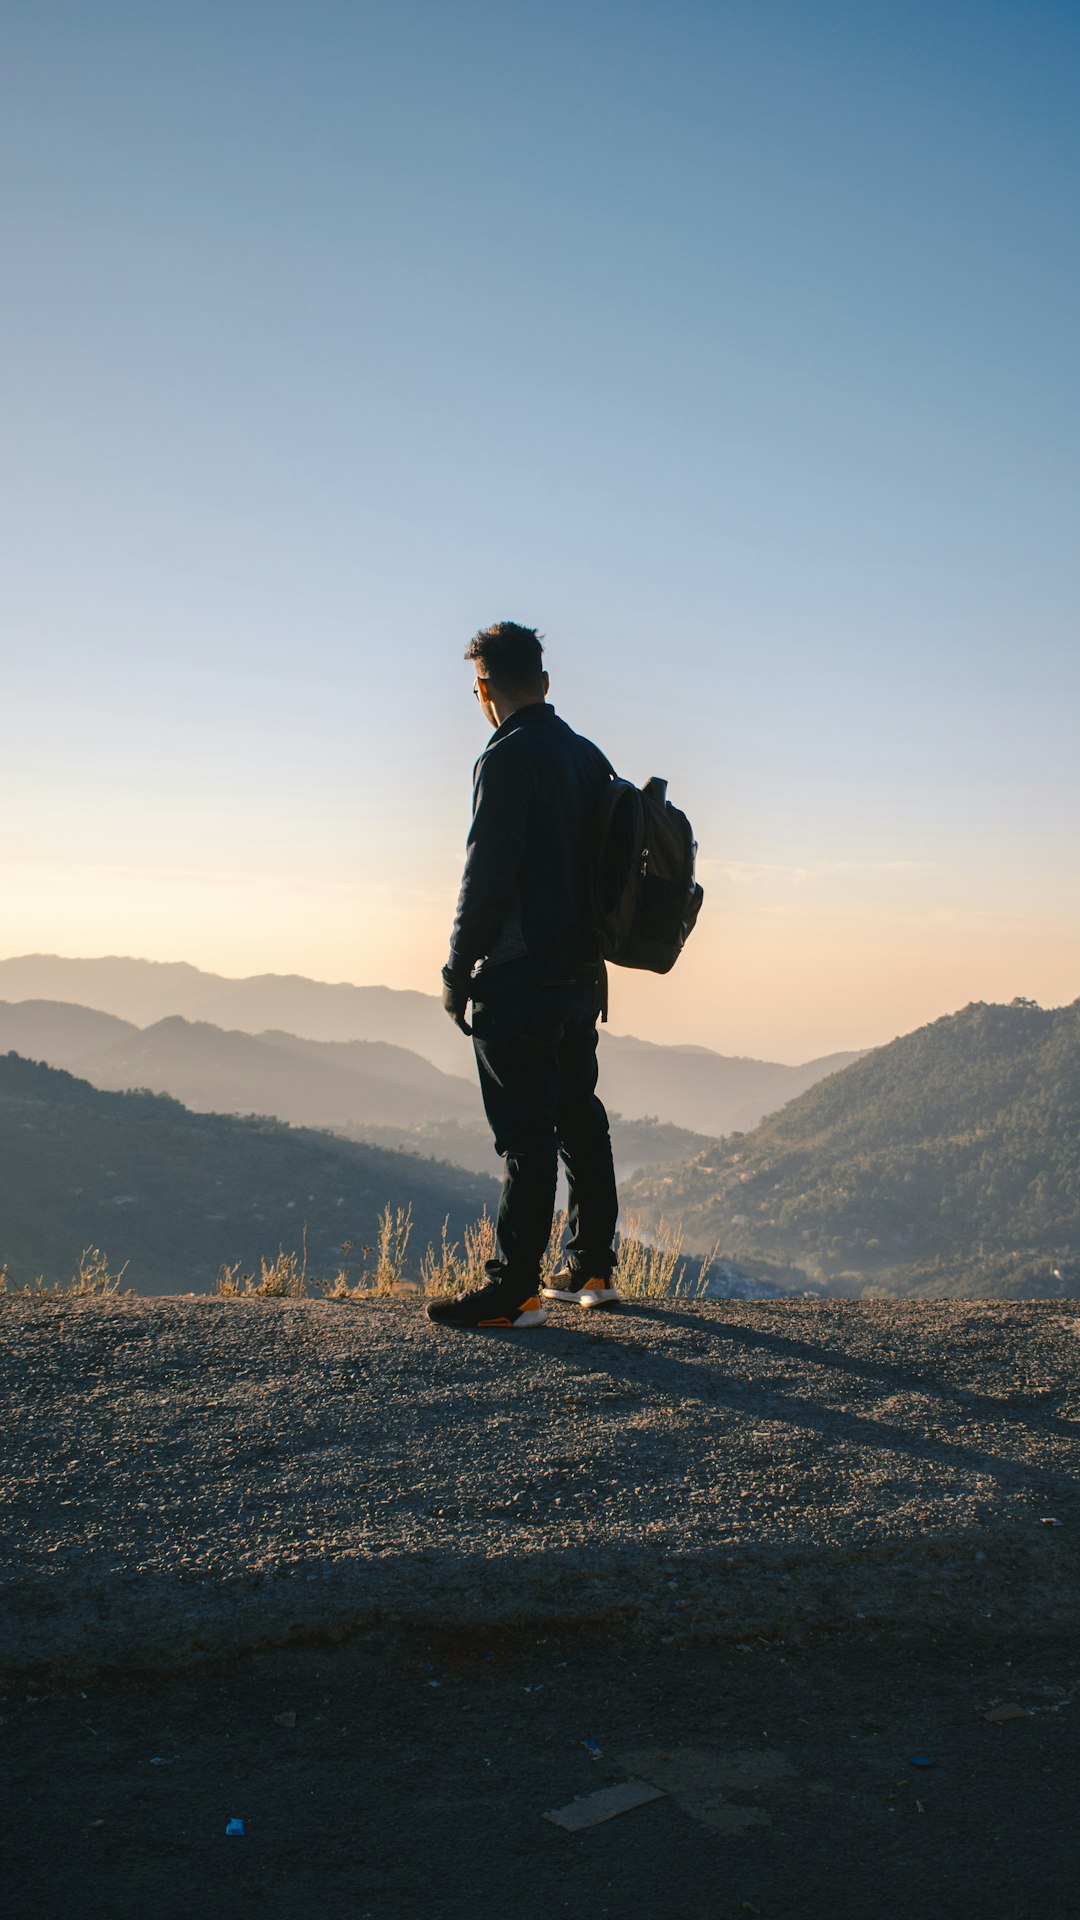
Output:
[[510, 656]]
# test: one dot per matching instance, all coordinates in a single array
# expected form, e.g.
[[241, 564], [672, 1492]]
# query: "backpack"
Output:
[[643, 895]]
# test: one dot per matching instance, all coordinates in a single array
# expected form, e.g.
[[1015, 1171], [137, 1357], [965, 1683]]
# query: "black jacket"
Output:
[[523, 906]]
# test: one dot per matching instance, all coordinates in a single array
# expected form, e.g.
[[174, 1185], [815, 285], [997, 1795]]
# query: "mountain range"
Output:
[[179, 1194], [145, 991], [308, 1082], [685, 1086], [946, 1163], [365, 1089]]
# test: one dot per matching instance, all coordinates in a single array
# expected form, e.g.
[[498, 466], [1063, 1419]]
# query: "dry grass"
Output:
[[387, 1276], [282, 1278], [93, 1278], [650, 1268], [391, 1245], [446, 1270], [654, 1269], [285, 1277]]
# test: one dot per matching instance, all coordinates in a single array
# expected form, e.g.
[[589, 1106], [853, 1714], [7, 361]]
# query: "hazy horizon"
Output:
[[734, 348], [617, 976]]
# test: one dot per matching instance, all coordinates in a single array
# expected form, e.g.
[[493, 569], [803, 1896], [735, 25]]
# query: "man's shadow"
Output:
[[641, 1367]]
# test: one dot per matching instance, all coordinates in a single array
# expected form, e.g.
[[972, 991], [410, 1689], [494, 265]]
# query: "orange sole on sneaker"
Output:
[[532, 1314], [468, 1311]]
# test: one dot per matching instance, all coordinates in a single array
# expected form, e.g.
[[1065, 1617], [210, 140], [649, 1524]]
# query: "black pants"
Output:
[[535, 1051]]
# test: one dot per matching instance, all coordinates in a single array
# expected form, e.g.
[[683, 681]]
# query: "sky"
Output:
[[733, 345]]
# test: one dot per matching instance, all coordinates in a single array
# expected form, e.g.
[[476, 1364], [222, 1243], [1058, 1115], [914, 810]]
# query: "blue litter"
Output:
[[235, 1826], [920, 1760], [594, 1752]]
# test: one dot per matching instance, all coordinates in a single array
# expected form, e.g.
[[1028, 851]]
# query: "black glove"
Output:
[[455, 1000]]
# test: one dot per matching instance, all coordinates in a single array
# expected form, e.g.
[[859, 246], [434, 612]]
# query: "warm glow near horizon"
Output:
[[756, 979]]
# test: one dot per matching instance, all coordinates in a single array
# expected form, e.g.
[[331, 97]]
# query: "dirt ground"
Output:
[[415, 1775]]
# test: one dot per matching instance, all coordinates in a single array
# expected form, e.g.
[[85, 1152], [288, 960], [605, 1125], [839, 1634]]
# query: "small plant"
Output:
[[448, 1271], [93, 1278], [341, 1287], [654, 1269], [391, 1243], [387, 1276], [480, 1247], [93, 1274], [282, 1278], [439, 1269]]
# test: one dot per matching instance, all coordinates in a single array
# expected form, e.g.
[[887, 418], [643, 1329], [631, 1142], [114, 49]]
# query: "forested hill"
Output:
[[178, 1194], [945, 1163]]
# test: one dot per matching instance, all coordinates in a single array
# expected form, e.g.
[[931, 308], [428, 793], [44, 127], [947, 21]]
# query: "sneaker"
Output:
[[495, 1305], [576, 1287], [600, 1293]]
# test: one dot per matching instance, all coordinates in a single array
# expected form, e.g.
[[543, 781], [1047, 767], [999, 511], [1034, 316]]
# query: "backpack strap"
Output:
[[612, 775]]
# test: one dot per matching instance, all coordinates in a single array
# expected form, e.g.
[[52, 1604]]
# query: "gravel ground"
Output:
[[182, 1477]]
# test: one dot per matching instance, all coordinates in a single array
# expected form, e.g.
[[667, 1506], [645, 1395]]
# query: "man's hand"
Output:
[[455, 1000]]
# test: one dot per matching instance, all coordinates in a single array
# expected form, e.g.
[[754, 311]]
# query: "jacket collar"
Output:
[[523, 717]]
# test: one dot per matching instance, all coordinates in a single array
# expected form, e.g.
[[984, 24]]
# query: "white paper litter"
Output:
[[604, 1805]]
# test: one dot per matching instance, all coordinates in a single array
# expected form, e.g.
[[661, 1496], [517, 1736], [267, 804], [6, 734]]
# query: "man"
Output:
[[523, 951]]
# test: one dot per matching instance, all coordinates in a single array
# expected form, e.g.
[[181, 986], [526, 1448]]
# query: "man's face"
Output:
[[482, 691], [496, 707]]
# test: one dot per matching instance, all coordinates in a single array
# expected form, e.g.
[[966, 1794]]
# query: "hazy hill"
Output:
[[145, 991], [686, 1086], [58, 1033], [179, 1193], [945, 1163], [307, 1082], [711, 1093], [635, 1144], [439, 1092], [369, 1085]]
